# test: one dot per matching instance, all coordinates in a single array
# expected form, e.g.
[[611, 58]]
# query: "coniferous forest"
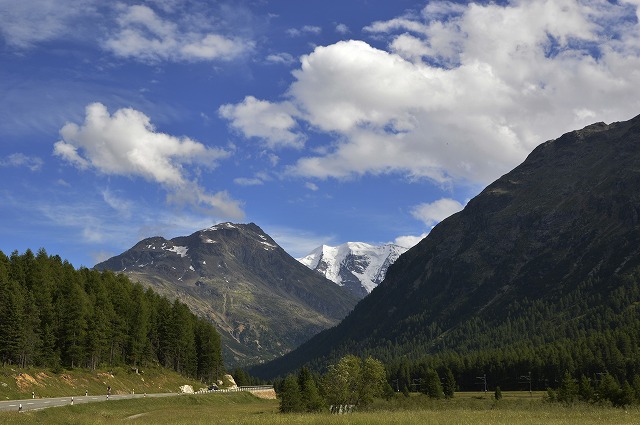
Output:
[[52, 315]]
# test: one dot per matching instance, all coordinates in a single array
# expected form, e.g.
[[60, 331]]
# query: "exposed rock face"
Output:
[[569, 214], [263, 301]]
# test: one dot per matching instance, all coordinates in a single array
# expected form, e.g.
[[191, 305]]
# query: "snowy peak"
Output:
[[263, 301], [358, 266]]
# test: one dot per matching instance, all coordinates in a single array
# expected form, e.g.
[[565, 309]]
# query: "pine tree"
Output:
[[431, 384], [585, 390], [449, 386], [568, 391], [311, 399], [498, 393], [290, 397]]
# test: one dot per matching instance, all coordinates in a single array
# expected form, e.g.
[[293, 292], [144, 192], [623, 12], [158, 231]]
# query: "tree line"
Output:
[[53, 315], [590, 328], [349, 383]]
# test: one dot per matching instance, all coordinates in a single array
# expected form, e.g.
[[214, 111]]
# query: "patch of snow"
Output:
[[268, 244], [180, 250], [204, 262], [192, 269]]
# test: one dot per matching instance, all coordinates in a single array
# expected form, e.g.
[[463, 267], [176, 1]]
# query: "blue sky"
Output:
[[321, 121]]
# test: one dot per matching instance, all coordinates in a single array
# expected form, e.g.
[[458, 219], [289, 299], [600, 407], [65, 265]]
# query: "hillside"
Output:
[[263, 301], [542, 266], [54, 316]]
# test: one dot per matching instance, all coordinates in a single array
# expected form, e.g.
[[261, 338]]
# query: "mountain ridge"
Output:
[[262, 300], [562, 225]]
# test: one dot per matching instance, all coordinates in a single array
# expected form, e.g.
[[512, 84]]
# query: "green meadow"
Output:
[[244, 408]]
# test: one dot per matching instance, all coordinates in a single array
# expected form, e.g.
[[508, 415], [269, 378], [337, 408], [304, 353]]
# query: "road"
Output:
[[41, 403]]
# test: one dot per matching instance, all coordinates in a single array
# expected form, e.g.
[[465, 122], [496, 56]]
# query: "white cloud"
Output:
[[25, 23], [33, 163], [143, 35], [311, 186], [307, 29], [464, 91], [271, 122], [127, 144], [434, 212], [342, 29], [280, 58], [409, 241]]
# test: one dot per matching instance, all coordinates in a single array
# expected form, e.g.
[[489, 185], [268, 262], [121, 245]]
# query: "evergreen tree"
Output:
[[609, 389], [498, 394], [290, 397], [449, 386], [431, 384], [568, 391], [585, 390], [626, 395], [311, 399]]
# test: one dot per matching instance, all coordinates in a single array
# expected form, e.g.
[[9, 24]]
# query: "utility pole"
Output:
[[524, 379], [484, 381]]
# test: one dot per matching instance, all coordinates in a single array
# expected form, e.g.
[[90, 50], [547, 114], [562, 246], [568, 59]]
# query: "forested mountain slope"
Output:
[[55, 316], [263, 301], [539, 272]]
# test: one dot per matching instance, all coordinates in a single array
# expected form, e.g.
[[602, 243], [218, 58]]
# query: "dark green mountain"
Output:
[[263, 301], [545, 258]]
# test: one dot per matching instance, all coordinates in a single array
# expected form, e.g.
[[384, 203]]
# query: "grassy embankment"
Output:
[[243, 408], [18, 383]]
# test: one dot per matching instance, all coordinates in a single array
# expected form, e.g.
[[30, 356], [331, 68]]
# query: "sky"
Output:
[[322, 122]]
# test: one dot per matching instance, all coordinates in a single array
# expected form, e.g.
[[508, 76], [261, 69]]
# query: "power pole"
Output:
[[483, 378], [524, 379]]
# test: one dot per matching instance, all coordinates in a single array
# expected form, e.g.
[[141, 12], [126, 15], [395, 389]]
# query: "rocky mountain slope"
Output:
[[263, 301], [549, 251], [357, 266]]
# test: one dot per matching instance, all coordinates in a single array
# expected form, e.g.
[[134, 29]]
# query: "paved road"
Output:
[[41, 403]]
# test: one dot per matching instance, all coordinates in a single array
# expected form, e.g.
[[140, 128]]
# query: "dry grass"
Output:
[[245, 409]]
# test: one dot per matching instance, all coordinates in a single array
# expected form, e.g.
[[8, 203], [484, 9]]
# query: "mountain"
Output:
[[357, 266], [263, 301], [546, 258]]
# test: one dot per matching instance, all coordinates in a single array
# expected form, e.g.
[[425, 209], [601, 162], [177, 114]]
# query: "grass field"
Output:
[[243, 408]]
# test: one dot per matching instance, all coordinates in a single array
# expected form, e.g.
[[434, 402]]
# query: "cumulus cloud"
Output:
[[271, 122], [409, 241], [33, 163], [127, 144], [434, 212], [144, 35], [462, 93]]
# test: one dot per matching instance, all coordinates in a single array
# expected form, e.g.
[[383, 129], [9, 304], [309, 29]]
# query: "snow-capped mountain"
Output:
[[263, 301], [357, 266]]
